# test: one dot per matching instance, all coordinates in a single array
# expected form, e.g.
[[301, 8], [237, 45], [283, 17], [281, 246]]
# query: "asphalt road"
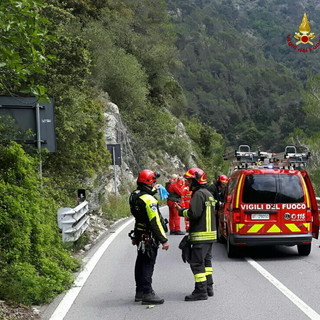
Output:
[[267, 283]]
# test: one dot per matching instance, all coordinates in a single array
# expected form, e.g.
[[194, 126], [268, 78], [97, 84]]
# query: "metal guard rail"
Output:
[[73, 221]]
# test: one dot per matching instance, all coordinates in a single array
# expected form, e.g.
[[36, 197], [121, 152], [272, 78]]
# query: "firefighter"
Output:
[[202, 233], [185, 200], [218, 189], [149, 231], [175, 190]]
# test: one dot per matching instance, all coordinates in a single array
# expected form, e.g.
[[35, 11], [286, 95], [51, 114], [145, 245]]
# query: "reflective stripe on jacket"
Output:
[[149, 216], [202, 218], [154, 214]]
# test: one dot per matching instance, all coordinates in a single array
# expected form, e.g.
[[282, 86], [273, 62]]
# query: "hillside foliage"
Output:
[[34, 265], [232, 81], [73, 51]]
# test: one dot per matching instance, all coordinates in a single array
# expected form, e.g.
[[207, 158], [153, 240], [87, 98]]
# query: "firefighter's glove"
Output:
[[131, 235]]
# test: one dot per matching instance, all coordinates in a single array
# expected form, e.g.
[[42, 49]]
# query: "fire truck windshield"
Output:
[[272, 188]]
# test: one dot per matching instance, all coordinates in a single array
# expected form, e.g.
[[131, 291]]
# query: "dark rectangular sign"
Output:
[[115, 151], [31, 114]]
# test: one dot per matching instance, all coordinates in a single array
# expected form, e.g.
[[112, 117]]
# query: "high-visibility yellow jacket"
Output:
[[144, 207]]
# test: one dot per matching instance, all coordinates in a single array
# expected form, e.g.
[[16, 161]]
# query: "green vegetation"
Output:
[[310, 137], [22, 31], [209, 145], [231, 83], [73, 51], [34, 265], [116, 208], [223, 70]]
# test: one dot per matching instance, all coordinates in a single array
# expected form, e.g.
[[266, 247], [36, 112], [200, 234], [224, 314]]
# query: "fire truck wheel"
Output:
[[304, 249], [231, 249]]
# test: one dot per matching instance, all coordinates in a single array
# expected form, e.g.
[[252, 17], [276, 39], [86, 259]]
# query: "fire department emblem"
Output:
[[304, 37]]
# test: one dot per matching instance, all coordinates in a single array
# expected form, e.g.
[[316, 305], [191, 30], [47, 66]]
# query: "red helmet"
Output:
[[198, 174], [148, 176], [223, 179]]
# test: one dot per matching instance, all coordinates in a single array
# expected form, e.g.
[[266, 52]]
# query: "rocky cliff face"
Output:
[[122, 178]]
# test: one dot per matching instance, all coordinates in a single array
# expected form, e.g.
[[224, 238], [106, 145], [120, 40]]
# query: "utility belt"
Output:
[[145, 243], [141, 236]]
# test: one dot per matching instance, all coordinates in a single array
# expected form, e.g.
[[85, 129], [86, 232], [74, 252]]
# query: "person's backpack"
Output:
[[167, 185], [134, 207]]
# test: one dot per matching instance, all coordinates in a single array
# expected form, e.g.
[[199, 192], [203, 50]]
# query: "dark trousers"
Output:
[[143, 270], [200, 263]]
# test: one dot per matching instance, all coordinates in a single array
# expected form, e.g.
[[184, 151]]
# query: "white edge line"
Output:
[[67, 301], [308, 311]]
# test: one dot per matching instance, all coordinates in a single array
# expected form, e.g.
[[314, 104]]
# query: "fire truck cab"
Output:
[[269, 201]]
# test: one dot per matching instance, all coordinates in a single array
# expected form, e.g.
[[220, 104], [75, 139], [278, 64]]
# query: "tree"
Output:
[[22, 56]]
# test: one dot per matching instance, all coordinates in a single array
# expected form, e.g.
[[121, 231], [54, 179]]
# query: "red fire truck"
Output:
[[269, 201]]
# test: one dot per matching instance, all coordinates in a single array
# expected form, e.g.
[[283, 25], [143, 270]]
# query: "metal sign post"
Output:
[[38, 137], [114, 169]]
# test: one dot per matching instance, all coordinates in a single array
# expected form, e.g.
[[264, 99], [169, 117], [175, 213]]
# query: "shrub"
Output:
[[34, 265], [117, 207]]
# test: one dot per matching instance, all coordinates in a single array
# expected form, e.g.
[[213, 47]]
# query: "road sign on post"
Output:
[[115, 151], [29, 113]]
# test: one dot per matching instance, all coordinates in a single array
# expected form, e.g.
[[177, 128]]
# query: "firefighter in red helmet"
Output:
[[218, 189], [149, 231], [223, 178], [202, 233]]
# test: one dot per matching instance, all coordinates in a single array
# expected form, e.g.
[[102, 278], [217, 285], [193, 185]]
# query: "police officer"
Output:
[[202, 233], [149, 232]]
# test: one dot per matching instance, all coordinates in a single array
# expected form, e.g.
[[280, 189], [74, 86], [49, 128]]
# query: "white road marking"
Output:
[[72, 294], [309, 312]]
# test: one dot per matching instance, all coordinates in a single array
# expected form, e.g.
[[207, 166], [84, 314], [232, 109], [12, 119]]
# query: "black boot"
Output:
[[151, 298], [138, 296], [210, 285], [199, 293], [210, 291]]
